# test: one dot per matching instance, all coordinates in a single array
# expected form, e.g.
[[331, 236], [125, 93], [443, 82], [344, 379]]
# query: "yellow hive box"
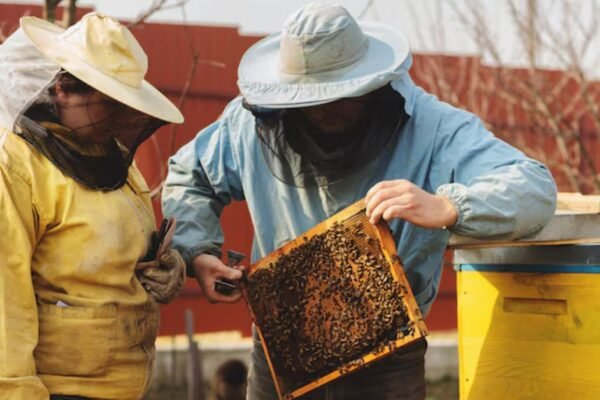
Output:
[[529, 323]]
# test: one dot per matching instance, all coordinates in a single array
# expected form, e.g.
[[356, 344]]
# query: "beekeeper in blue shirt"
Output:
[[328, 114]]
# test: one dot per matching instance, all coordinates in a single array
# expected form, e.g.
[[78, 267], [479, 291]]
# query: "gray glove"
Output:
[[163, 278]]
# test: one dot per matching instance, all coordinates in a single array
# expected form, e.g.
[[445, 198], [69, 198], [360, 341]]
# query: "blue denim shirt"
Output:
[[497, 190]]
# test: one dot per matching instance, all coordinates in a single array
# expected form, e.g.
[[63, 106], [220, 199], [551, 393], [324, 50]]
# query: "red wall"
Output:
[[211, 88], [170, 49], [218, 50]]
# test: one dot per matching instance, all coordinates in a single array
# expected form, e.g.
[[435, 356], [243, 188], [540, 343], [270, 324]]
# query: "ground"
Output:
[[445, 389]]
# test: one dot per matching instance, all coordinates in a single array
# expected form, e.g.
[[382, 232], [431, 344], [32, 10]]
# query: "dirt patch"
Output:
[[444, 389]]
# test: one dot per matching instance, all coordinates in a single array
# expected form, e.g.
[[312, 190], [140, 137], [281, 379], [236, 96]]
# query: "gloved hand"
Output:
[[163, 278]]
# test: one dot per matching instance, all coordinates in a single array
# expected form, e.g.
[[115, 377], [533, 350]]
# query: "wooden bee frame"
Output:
[[350, 306]]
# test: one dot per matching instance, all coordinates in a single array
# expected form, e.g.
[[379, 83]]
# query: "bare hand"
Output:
[[403, 199], [208, 269], [164, 278]]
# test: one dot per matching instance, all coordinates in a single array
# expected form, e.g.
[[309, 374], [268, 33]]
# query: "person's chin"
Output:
[[334, 131], [101, 140]]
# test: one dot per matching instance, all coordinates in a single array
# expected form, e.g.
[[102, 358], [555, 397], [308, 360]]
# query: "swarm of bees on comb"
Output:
[[326, 301]]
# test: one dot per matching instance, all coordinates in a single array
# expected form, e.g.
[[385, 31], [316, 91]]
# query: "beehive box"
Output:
[[331, 301], [529, 322]]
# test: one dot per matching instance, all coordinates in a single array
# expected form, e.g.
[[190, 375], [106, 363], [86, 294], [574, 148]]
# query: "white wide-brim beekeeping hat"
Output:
[[101, 52], [321, 55]]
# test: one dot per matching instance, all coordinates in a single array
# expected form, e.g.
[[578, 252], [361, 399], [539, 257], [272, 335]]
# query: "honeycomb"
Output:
[[331, 301]]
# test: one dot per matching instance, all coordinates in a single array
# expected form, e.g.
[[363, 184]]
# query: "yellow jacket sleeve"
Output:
[[18, 312]]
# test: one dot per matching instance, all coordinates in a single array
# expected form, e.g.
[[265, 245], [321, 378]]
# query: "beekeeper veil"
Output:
[[323, 55], [24, 75], [96, 54]]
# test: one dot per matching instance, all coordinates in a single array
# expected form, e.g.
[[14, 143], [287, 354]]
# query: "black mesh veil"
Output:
[[106, 169], [28, 107], [296, 154]]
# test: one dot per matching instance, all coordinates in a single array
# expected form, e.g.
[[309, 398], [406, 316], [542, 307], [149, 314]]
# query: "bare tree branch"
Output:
[[49, 11], [186, 87], [552, 103], [3, 36], [157, 5], [191, 74], [369, 6]]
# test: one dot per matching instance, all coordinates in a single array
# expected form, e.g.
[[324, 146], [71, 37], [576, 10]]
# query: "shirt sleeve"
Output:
[[197, 189], [18, 312], [496, 189]]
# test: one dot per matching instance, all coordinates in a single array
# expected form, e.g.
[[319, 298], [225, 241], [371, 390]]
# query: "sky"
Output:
[[432, 26]]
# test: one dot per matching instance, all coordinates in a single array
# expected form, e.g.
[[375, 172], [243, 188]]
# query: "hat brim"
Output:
[[145, 98], [261, 83]]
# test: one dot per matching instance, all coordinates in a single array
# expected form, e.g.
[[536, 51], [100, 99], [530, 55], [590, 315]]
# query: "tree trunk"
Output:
[[70, 14], [49, 13]]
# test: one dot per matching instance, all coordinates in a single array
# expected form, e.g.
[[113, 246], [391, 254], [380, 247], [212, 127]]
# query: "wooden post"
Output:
[[195, 380], [173, 360]]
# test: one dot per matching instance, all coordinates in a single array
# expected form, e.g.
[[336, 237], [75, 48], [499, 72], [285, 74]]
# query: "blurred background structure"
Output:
[[528, 68]]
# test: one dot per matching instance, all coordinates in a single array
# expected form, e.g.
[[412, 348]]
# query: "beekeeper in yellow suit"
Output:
[[78, 308]]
